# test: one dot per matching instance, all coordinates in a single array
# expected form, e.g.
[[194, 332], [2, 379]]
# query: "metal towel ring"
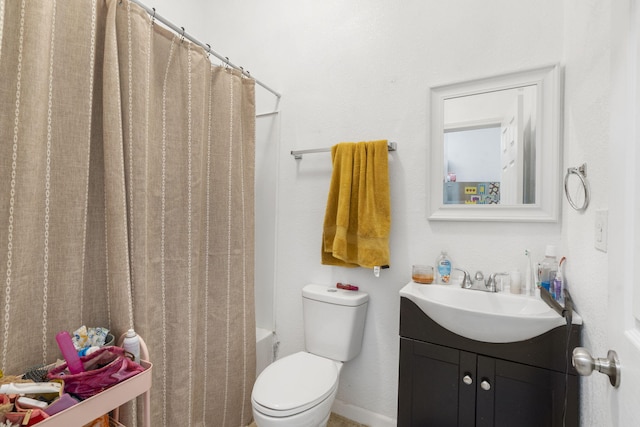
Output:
[[581, 173]]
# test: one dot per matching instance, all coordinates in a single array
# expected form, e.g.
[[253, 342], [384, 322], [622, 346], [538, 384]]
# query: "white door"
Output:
[[624, 213], [511, 155]]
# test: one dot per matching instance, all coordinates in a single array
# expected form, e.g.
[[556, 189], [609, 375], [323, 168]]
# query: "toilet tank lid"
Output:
[[334, 295]]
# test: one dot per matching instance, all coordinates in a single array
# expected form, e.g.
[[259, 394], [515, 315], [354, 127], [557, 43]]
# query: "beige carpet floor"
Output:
[[335, 421]]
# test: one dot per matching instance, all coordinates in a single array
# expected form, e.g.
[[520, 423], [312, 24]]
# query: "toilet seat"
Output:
[[294, 384]]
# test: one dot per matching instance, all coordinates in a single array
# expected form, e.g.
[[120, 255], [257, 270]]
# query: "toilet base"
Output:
[[325, 421]]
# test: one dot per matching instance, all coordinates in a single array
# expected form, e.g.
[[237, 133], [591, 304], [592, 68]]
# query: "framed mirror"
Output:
[[495, 148]]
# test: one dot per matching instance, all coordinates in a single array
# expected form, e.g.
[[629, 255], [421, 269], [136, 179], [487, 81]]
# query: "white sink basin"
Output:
[[495, 317]]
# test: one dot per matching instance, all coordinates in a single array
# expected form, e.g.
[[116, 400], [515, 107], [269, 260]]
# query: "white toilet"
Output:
[[298, 390]]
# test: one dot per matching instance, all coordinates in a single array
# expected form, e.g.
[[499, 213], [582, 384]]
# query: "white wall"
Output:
[[587, 35], [361, 70]]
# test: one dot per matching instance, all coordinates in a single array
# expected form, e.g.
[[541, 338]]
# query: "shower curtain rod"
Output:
[[155, 16]]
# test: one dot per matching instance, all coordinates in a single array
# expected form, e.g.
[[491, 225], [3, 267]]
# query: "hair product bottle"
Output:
[[558, 283], [131, 344]]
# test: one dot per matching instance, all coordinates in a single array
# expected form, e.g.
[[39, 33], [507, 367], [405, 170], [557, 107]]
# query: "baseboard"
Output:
[[362, 416]]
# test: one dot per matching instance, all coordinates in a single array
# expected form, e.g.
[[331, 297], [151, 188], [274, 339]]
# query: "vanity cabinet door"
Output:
[[514, 394], [431, 387], [445, 387]]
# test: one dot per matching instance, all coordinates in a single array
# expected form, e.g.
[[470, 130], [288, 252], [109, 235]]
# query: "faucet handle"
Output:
[[466, 278], [479, 278], [491, 282]]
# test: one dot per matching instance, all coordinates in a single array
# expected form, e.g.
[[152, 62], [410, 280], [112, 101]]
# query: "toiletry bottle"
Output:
[[69, 352], [131, 344], [443, 269], [558, 283], [547, 268]]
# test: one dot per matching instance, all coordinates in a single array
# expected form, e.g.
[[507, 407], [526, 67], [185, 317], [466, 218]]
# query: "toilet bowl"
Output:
[[296, 391]]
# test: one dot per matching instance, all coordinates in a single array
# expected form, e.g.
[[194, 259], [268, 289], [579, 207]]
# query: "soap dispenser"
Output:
[[443, 269]]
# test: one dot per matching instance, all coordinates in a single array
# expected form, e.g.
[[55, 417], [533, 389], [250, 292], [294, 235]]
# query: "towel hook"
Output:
[[581, 173]]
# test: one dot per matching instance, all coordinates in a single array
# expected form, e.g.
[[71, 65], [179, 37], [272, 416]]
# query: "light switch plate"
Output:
[[601, 229]]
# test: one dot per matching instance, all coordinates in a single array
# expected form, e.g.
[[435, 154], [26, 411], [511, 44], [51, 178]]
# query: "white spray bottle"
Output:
[[131, 344]]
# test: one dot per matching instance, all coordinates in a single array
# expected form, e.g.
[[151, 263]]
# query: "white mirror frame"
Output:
[[548, 151]]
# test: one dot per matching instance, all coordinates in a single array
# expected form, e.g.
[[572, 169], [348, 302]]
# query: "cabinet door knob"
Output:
[[467, 380], [486, 385]]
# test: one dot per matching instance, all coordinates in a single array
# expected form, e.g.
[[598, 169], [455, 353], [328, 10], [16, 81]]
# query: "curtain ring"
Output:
[[182, 35], [153, 17], [581, 173], [226, 62], [208, 50]]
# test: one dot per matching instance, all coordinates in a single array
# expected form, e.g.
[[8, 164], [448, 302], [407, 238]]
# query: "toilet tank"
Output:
[[333, 321]]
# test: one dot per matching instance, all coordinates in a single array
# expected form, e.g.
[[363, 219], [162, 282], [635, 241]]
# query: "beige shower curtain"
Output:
[[126, 200]]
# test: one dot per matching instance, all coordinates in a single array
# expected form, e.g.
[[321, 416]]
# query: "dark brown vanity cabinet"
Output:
[[448, 380]]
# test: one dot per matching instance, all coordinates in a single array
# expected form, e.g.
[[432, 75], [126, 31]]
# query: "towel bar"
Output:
[[297, 154]]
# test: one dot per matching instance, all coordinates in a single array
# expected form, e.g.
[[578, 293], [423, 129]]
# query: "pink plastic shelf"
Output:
[[90, 409]]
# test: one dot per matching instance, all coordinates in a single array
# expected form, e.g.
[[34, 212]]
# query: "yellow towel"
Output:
[[358, 216]]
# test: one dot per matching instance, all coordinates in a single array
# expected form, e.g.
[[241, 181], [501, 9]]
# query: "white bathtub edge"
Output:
[[264, 349]]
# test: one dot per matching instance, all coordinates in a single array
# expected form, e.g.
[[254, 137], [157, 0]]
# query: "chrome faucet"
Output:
[[491, 282], [489, 285], [466, 283]]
